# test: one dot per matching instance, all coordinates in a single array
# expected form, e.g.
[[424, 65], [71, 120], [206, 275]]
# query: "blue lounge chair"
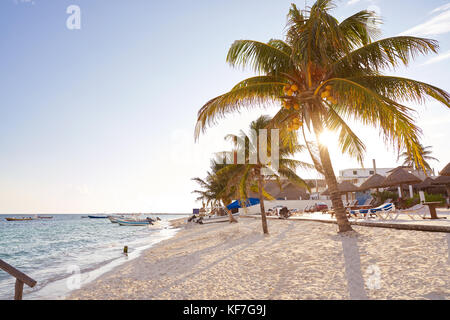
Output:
[[378, 211]]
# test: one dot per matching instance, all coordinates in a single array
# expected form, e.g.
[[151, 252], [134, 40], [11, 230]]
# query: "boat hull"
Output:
[[207, 220], [132, 223], [97, 217], [18, 219]]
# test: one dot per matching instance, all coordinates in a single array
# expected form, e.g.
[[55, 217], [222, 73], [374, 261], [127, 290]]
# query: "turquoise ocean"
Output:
[[68, 251]]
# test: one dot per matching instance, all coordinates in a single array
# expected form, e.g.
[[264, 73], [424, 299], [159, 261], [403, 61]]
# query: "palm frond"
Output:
[[383, 54], [256, 95], [368, 107], [361, 28], [261, 57], [398, 88], [293, 177], [348, 141]]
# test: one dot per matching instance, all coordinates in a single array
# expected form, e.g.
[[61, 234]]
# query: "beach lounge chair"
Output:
[[351, 204], [419, 210], [386, 212], [383, 212], [370, 202]]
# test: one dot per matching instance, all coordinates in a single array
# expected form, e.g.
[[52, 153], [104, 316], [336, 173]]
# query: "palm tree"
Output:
[[327, 72], [252, 175], [215, 188], [411, 161]]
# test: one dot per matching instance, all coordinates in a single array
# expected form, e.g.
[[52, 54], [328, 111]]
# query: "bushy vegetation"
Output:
[[428, 198], [409, 202]]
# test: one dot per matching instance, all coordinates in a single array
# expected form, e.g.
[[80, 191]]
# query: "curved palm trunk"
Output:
[[261, 202], [341, 216]]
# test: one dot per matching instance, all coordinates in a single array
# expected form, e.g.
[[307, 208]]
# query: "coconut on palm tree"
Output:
[[325, 73], [253, 173]]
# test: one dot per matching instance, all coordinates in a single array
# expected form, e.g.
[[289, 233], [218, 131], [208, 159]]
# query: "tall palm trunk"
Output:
[[261, 201], [336, 199]]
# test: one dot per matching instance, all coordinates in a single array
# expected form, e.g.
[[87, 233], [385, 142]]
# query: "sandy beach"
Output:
[[298, 260]]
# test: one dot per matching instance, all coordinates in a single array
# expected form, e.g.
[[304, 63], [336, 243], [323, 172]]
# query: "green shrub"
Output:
[[409, 202]]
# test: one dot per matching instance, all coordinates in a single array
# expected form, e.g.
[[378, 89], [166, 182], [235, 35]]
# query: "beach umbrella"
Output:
[[446, 170], [375, 181], [399, 177], [344, 188], [425, 184], [290, 191], [443, 181]]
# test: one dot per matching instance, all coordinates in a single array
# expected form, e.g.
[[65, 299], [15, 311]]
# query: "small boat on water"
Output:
[[45, 217], [114, 219], [19, 219], [136, 222], [97, 217]]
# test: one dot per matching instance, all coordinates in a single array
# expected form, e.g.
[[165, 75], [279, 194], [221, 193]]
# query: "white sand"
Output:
[[299, 260]]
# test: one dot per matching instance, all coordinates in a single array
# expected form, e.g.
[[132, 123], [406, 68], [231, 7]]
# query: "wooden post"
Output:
[[433, 211], [21, 279], [18, 290]]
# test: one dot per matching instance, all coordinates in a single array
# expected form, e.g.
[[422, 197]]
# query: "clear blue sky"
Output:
[[101, 119]]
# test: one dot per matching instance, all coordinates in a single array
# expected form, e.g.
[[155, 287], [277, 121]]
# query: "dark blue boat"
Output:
[[98, 217]]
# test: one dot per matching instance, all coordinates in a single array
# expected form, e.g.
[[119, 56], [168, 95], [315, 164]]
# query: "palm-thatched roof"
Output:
[[374, 181], [344, 187], [446, 170], [400, 176], [285, 190], [442, 180], [291, 192], [427, 183]]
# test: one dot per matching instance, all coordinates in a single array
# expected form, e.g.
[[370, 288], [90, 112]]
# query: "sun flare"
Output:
[[327, 138]]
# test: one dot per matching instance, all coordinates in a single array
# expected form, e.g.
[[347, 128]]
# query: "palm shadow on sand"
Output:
[[353, 273]]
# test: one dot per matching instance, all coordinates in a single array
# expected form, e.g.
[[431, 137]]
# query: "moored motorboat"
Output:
[[97, 217], [137, 222], [19, 219], [114, 219]]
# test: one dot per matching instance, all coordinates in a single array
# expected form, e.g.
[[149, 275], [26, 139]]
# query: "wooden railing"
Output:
[[21, 279]]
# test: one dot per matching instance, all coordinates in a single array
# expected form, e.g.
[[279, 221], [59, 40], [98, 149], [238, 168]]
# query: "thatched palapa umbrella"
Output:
[[375, 181], [446, 170], [399, 177], [444, 181], [344, 187], [425, 184]]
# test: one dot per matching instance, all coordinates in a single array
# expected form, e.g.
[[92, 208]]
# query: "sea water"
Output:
[[56, 251]]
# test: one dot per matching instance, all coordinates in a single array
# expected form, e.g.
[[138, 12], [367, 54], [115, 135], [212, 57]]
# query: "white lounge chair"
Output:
[[419, 210]]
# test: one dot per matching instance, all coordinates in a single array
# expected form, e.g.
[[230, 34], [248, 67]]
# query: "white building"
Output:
[[358, 175]]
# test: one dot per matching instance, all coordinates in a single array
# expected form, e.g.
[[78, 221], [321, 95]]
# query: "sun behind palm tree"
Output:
[[325, 73]]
